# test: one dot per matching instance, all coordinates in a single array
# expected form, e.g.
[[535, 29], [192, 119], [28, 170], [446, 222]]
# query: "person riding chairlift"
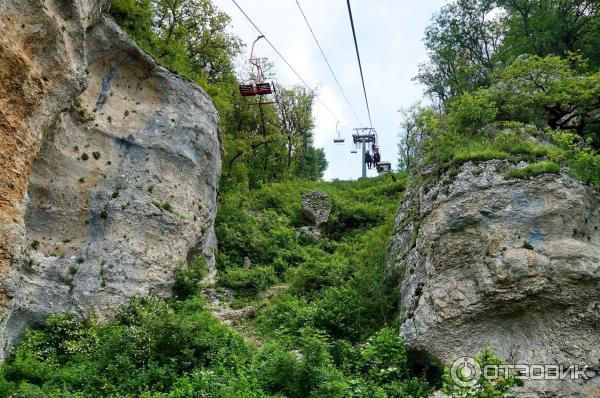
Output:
[[368, 159], [376, 158]]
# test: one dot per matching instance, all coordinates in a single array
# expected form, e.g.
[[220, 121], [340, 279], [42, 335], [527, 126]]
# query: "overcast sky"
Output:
[[390, 41]]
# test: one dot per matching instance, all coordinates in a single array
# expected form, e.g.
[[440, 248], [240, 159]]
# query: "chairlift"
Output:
[[258, 86], [384, 167], [364, 135], [339, 139]]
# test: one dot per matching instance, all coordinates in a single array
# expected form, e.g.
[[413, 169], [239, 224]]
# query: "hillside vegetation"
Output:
[[516, 80], [324, 325]]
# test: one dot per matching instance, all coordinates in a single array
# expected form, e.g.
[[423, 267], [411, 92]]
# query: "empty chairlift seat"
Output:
[[247, 90], [264, 89]]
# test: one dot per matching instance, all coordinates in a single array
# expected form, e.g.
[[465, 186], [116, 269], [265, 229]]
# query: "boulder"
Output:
[[513, 265], [316, 206], [114, 164]]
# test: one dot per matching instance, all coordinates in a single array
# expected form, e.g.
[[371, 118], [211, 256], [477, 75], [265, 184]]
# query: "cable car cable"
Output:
[[359, 62], [285, 60], [327, 61]]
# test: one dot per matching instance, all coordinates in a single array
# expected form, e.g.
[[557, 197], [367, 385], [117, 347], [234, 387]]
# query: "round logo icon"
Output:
[[465, 372]]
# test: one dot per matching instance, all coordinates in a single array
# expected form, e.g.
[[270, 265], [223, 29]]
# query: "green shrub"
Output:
[[582, 159], [471, 111], [188, 278], [485, 388], [248, 281], [286, 315], [533, 170], [527, 245], [347, 216], [586, 166]]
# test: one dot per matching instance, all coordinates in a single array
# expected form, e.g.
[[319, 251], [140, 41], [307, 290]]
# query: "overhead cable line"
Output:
[[362, 77], [285, 60], [327, 62]]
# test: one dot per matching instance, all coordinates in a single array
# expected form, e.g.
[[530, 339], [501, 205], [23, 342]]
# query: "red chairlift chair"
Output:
[[258, 87]]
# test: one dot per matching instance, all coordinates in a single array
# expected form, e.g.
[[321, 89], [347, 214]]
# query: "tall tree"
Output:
[[294, 107], [409, 136], [461, 43], [552, 27]]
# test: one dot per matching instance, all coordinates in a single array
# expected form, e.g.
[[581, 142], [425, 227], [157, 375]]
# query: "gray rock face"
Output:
[[123, 188], [42, 68], [513, 265], [316, 207]]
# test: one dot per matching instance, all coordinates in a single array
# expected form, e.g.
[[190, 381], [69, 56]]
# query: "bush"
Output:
[[285, 315], [485, 388], [349, 216], [149, 347], [471, 111], [248, 282], [188, 278], [533, 170]]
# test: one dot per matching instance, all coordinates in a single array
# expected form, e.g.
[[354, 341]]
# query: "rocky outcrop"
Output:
[[110, 166], [316, 207], [42, 68], [513, 265]]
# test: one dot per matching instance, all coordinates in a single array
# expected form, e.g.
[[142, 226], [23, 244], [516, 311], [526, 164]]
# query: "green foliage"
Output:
[[248, 281], [188, 278], [541, 110], [467, 42], [499, 388], [166, 206], [328, 332], [527, 245], [583, 161], [147, 349], [551, 27], [471, 111], [533, 170]]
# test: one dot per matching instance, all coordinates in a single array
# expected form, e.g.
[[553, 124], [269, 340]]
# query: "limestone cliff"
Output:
[[513, 265], [109, 165]]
